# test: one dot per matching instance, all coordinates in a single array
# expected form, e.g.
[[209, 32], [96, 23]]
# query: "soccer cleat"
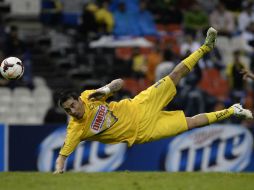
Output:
[[210, 39], [241, 112]]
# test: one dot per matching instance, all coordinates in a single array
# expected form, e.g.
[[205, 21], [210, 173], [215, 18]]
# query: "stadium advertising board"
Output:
[[89, 156], [214, 148]]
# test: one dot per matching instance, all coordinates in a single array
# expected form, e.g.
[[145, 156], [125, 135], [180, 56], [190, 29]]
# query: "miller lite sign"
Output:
[[88, 157], [213, 148]]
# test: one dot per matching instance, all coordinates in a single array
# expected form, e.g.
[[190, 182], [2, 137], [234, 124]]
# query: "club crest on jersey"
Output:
[[99, 119]]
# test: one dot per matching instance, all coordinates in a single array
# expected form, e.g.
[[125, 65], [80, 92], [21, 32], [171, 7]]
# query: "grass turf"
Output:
[[126, 181]]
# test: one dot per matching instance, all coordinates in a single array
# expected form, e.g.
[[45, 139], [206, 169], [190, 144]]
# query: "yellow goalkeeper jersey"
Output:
[[137, 120], [102, 121]]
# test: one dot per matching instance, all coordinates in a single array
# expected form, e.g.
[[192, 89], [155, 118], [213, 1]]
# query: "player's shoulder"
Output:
[[73, 124]]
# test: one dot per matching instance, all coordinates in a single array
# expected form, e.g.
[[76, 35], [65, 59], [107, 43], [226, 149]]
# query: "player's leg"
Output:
[[187, 64], [156, 97], [212, 117], [162, 92]]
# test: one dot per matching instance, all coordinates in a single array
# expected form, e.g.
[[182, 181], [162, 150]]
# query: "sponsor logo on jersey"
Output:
[[99, 119], [215, 148]]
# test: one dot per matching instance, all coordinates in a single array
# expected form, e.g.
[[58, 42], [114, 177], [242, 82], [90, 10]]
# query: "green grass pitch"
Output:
[[126, 181]]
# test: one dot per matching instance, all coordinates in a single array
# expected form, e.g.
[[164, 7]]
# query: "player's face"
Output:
[[74, 108]]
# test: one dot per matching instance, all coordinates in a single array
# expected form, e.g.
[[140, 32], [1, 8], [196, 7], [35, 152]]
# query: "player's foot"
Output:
[[241, 112], [210, 39]]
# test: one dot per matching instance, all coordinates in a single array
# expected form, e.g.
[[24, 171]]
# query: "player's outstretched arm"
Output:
[[59, 167], [110, 88]]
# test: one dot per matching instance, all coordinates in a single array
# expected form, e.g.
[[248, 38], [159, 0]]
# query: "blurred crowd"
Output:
[[175, 28]]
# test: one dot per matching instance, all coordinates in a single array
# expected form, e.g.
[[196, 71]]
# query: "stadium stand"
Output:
[[61, 55]]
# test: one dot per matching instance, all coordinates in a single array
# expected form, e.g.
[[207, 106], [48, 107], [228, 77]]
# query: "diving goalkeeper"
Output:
[[137, 120]]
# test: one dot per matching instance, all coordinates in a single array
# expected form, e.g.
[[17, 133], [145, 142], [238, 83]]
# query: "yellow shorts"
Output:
[[154, 123]]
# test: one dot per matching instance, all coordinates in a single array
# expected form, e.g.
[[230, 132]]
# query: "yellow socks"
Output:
[[219, 115], [191, 60]]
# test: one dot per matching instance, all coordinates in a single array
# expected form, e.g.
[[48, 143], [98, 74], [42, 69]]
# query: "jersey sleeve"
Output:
[[70, 143]]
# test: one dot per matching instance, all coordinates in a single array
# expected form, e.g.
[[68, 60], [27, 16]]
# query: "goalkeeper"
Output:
[[137, 120]]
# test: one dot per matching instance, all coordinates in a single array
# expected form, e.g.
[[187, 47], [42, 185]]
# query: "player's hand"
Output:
[[58, 172], [59, 167]]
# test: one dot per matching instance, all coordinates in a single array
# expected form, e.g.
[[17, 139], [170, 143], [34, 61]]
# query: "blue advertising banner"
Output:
[[24, 146], [2, 148], [213, 148]]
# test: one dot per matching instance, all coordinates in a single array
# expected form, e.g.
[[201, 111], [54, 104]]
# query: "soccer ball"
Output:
[[12, 68]]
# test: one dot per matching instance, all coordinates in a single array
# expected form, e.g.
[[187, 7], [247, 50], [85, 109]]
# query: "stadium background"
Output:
[[82, 44]]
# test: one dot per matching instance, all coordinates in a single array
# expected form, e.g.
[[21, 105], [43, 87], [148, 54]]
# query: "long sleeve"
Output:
[[71, 142]]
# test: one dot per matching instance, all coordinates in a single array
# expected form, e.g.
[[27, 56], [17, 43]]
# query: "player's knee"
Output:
[[178, 72], [175, 76], [191, 122]]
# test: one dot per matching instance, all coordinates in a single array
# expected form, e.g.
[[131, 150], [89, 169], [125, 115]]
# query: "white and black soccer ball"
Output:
[[12, 68]]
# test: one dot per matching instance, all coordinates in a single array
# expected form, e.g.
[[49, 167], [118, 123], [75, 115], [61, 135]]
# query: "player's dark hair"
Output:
[[63, 96]]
